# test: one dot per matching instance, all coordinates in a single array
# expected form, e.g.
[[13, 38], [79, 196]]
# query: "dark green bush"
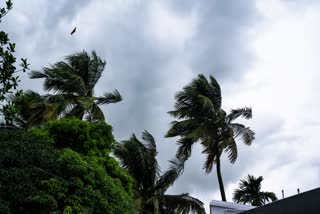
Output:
[[88, 179]]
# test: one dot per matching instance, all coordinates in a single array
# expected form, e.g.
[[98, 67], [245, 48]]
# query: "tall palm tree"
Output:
[[139, 158], [72, 81], [202, 120], [249, 191]]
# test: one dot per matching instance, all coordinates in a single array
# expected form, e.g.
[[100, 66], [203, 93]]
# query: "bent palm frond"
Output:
[[182, 204]]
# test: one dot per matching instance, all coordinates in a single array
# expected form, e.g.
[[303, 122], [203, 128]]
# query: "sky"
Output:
[[263, 53]]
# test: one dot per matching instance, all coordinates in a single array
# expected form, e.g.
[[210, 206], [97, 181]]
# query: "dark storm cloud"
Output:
[[146, 71]]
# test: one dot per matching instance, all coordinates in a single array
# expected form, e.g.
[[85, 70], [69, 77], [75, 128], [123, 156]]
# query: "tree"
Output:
[[73, 82], [249, 191], [8, 81], [33, 110], [202, 120], [64, 167], [139, 158]]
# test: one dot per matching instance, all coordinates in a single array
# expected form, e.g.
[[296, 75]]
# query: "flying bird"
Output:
[[74, 30]]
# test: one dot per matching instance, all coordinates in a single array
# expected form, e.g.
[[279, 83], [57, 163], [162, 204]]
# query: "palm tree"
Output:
[[249, 191], [139, 158], [201, 119], [73, 81], [32, 109]]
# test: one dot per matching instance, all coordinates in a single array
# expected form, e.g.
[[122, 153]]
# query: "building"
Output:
[[304, 203]]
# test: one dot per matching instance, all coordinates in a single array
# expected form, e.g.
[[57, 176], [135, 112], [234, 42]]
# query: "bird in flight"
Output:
[[74, 30]]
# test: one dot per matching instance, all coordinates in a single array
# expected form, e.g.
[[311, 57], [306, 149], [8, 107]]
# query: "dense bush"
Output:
[[87, 179]]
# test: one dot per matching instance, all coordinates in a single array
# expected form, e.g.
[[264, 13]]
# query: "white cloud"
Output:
[[283, 85]]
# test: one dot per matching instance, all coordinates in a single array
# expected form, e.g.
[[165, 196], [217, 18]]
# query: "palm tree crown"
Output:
[[200, 118], [249, 191], [139, 158], [72, 82]]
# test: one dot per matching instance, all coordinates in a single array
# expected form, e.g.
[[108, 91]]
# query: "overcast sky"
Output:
[[265, 54]]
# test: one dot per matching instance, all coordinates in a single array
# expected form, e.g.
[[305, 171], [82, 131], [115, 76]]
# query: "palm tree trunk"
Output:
[[223, 194], [156, 206]]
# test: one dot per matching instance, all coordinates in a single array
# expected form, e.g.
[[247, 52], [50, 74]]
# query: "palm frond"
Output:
[[140, 160], [132, 158], [37, 75], [182, 204], [95, 114], [171, 175], [184, 147], [245, 112], [77, 111], [34, 109], [210, 150], [216, 91], [147, 137], [245, 133], [151, 153], [230, 147], [268, 196], [96, 67], [108, 98], [188, 128]]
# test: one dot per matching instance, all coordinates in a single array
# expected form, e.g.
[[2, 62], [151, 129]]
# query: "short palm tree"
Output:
[[201, 119], [139, 158], [249, 191], [72, 81], [33, 109]]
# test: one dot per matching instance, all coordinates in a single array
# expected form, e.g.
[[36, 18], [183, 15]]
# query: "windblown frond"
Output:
[[240, 112], [230, 147], [34, 109], [245, 133], [171, 175], [181, 204], [108, 98], [95, 114]]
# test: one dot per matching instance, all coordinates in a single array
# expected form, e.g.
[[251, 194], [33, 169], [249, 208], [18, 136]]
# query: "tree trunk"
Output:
[[156, 206], [223, 194]]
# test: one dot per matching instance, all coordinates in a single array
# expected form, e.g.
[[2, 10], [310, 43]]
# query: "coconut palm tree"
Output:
[[249, 191], [200, 119], [72, 81], [139, 158], [32, 109]]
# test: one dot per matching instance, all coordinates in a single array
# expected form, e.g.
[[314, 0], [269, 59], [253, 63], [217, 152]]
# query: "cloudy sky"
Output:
[[263, 53]]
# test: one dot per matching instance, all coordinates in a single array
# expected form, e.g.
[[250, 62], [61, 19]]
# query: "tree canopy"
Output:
[[72, 82], [8, 80], [249, 191], [201, 119], [64, 167], [139, 158]]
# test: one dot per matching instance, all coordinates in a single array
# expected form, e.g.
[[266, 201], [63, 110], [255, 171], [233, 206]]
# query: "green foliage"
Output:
[[83, 137], [74, 174], [8, 81], [17, 179], [249, 191]]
